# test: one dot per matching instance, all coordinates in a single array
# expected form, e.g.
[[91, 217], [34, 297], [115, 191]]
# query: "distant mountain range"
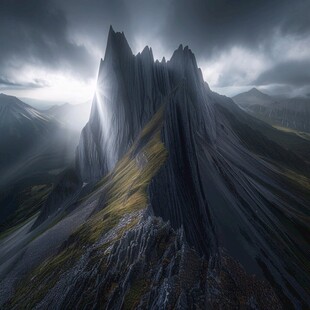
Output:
[[74, 116], [26, 134], [291, 113], [33, 147], [40, 104]]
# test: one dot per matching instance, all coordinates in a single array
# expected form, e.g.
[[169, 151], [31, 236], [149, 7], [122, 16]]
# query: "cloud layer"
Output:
[[238, 43]]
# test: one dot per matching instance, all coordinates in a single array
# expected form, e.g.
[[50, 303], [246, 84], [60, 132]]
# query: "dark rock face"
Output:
[[130, 90], [213, 185], [222, 194]]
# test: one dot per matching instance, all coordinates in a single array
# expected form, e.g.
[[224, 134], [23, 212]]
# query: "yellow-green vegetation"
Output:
[[301, 134], [125, 190], [301, 180], [126, 185], [37, 283]]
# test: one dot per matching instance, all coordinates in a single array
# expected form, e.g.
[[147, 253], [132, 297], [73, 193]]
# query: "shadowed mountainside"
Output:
[[291, 113], [33, 147]]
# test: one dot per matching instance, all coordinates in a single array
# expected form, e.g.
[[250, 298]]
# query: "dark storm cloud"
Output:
[[214, 25], [208, 26], [58, 34], [296, 73], [34, 32]]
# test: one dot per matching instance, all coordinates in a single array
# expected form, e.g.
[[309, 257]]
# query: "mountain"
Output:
[[32, 147], [74, 116], [23, 130], [12, 109], [291, 113], [40, 104], [176, 201], [287, 139]]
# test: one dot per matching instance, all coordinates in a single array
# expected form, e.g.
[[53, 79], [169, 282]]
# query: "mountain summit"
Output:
[[130, 89], [180, 201], [207, 184]]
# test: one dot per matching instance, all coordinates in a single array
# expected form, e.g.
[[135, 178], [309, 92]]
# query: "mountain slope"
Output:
[[74, 117], [185, 208], [287, 140], [21, 125], [24, 130], [122, 256], [31, 146], [290, 113]]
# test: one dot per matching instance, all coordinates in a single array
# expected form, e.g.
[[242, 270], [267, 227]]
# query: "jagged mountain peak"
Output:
[[130, 88], [184, 54], [118, 48], [147, 54], [202, 175], [185, 65], [117, 45]]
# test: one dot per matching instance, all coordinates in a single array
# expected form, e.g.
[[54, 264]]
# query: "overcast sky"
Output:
[[50, 49]]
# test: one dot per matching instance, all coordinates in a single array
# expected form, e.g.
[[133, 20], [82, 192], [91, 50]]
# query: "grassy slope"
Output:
[[301, 134], [126, 192]]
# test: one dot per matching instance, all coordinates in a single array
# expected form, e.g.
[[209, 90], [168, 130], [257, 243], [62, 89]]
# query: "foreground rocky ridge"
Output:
[[150, 266]]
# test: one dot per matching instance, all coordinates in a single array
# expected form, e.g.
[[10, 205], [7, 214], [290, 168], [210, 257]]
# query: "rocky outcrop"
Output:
[[149, 266]]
